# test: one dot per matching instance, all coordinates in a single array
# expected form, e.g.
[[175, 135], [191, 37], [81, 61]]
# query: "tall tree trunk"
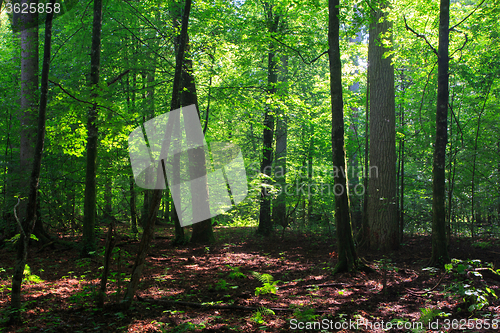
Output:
[[156, 198], [474, 156], [440, 254], [133, 209], [25, 27], [28, 222], [265, 222], [347, 257], [202, 231], [279, 204], [401, 173], [382, 213], [89, 241]]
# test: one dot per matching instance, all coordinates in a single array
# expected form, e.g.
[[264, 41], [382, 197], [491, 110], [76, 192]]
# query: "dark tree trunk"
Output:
[[265, 222], [279, 204], [382, 213], [156, 198], [133, 210], [440, 254], [347, 257], [89, 241], [202, 231], [27, 224]]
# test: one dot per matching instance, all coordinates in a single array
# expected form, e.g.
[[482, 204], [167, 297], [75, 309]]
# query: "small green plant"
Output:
[[258, 315], [428, 314], [305, 315], [464, 287], [235, 273], [28, 277], [269, 286], [482, 245], [221, 285], [385, 265]]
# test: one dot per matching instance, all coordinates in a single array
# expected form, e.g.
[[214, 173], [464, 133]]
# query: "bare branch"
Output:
[[419, 35], [465, 42], [298, 52], [456, 25]]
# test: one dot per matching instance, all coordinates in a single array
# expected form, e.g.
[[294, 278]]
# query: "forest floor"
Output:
[[59, 294]]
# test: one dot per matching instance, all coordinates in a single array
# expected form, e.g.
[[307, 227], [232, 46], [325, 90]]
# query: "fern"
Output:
[[263, 278], [269, 286]]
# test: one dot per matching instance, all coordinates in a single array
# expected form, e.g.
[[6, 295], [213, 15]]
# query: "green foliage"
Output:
[[305, 315], [221, 285], [465, 286], [28, 277], [482, 245], [428, 314], [235, 273], [269, 286], [258, 315]]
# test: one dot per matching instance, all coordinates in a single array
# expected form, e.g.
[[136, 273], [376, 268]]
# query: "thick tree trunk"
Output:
[[440, 254], [279, 204], [27, 224], [89, 241], [202, 231], [347, 257], [382, 213]]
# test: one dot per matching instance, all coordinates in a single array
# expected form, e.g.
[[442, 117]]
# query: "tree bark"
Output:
[[382, 213], [347, 256], [28, 223], [265, 222], [279, 204], [202, 231], [440, 254], [89, 241]]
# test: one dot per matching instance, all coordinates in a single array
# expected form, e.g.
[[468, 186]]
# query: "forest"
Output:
[[249, 166]]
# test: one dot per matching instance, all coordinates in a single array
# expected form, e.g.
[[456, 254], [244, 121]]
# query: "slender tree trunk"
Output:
[[156, 198], [440, 254], [133, 209], [89, 241], [347, 257], [27, 224], [474, 156], [265, 222], [382, 213]]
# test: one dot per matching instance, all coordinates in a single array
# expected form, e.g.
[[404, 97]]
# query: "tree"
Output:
[[347, 256], [440, 254], [382, 212], [89, 242], [148, 233], [279, 204], [265, 221], [29, 221]]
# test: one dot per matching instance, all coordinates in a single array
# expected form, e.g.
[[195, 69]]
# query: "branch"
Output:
[[298, 52], [456, 25], [17, 218], [465, 42], [118, 77], [98, 105], [420, 35], [368, 3]]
